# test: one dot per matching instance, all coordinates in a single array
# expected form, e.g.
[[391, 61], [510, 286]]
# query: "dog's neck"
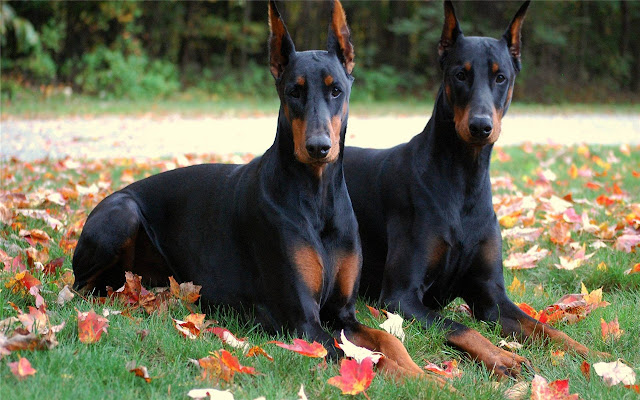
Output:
[[453, 157]]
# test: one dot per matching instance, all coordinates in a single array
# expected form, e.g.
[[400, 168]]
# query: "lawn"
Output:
[[579, 205]]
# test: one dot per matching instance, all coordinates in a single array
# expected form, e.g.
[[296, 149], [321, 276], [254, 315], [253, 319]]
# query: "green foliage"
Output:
[[109, 73]]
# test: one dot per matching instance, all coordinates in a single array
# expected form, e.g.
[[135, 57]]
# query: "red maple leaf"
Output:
[[354, 377], [305, 348], [556, 390], [450, 369], [22, 368], [91, 326]]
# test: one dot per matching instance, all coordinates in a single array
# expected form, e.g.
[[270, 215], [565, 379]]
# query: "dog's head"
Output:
[[314, 88], [479, 74]]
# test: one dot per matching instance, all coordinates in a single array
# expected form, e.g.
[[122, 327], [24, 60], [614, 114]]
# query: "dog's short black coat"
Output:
[[428, 229], [278, 235]]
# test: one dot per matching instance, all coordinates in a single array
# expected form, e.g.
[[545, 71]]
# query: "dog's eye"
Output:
[[500, 78], [461, 76], [335, 92], [295, 92]]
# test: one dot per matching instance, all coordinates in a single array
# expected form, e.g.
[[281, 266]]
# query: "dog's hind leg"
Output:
[[106, 248]]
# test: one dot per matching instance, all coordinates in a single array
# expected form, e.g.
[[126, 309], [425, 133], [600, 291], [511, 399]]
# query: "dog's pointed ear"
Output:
[[451, 29], [513, 35], [339, 39], [280, 44]]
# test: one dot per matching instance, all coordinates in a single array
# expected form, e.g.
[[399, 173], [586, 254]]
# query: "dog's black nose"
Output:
[[318, 146], [480, 127]]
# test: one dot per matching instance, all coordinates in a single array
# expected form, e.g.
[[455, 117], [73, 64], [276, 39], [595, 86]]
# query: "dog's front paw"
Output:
[[504, 363]]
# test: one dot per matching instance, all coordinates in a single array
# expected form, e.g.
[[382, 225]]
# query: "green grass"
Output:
[[77, 370], [31, 104]]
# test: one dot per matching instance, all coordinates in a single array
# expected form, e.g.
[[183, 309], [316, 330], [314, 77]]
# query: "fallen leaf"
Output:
[[556, 390], [22, 282], [223, 365], [65, 295], [525, 260], [91, 326], [22, 368], [212, 394], [449, 371], [585, 368], [393, 325], [517, 391], [356, 352], [186, 328], [140, 371], [314, 350], [560, 233], [615, 372], [510, 345], [517, 287], [301, 394], [633, 270], [611, 329], [186, 291], [627, 242], [258, 351], [557, 357], [374, 311], [354, 377], [229, 338]]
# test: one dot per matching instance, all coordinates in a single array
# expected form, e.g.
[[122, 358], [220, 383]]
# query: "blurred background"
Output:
[[574, 51]]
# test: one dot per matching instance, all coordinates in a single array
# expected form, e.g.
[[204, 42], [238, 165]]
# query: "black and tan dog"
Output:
[[277, 235], [428, 229]]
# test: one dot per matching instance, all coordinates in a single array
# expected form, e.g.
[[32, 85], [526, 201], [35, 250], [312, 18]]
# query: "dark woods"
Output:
[[583, 51]]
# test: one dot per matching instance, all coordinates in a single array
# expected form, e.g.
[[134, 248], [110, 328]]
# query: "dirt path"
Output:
[[109, 137]]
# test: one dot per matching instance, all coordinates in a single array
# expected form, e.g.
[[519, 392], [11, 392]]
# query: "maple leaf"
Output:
[[140, 371], [560, 233], [557, 357], [186, 291], [615, 372], [510, 345], [35, 236], [212, 394], [517, 287], [633, 270], [223, 365], [22, 368], [525, 260], [65, 295], [556, 390], [393, 325], [354, 377], [300, 346], [449, 371], [611, 329], [230, 339], [52, 266], [258, 351], [356, 352], [627, 242], [37, 258], [585, 368], [91, 326], [22, 282], [187, 329], [574, 260]]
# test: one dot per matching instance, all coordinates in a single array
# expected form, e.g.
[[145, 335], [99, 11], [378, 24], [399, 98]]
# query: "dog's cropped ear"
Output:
[[339, 40], [280, 44], [513, 36], [450, 31]]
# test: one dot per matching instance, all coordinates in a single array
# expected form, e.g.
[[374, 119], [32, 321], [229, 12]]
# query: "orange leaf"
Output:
[[314, 350], [611, 329], [354, 377], [585, 368], [223, 365], [91, 326], [186, 291], [186, 328], [633, 270], [258, 351], [560, 233], [374, 311], [22, 282], [556, 390], [140, 371], [450, 369], [22, 368]]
